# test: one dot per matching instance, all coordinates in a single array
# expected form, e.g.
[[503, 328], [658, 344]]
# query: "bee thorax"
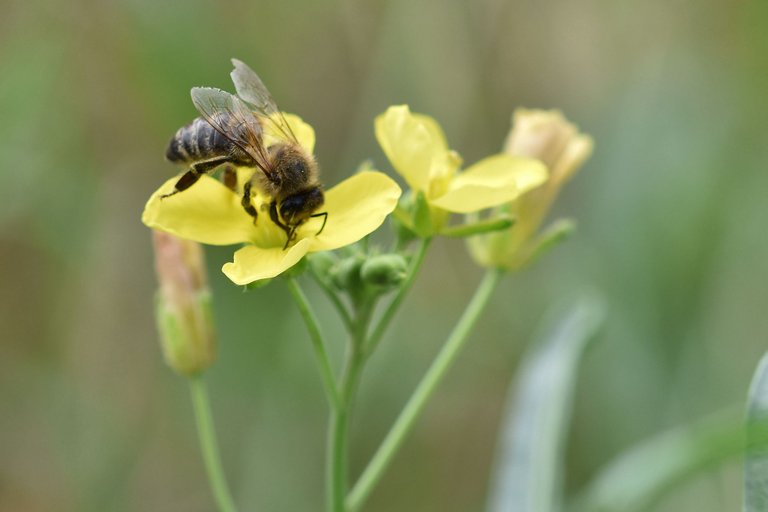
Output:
[[293, 168]]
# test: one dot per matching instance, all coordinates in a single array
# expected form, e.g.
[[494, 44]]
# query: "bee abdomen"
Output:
[[175, 151], [197, 141]]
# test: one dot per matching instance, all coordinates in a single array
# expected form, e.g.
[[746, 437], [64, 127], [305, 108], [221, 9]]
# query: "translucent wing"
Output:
[[231, 117], [252, 90]]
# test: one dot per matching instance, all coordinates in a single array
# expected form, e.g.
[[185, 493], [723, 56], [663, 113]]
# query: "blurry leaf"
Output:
[[527, 475], [756, 463], [640, 477]]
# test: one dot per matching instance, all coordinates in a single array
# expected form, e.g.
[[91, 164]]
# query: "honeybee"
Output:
[[231, 131]]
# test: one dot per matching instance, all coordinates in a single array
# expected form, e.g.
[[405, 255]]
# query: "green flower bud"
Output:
[[345, 275], [183, 305], [384, 271], [321, 264]]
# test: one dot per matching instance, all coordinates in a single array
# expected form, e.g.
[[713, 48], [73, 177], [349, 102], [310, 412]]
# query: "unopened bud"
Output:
[[345, 275], [321, 263], [183, 306], [384, 271]]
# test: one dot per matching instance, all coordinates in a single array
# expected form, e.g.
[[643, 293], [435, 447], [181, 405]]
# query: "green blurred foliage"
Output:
[[670, 209]]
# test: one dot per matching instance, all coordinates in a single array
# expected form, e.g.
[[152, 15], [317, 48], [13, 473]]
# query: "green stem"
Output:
[[318, 344], [389, 313], [339, 424], [335, 300], [445, 358], [336, 460], [480, 227], [208, 445]]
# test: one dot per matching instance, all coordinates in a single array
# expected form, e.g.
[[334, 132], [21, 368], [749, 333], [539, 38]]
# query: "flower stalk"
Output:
[[389, 313], [318, 342], [338, 448], [423, 392], [209, 447]]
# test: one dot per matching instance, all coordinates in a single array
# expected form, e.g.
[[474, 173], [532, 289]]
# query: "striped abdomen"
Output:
[[199, 141]]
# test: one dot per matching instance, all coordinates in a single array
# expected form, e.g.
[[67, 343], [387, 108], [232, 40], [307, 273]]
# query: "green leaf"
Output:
[[527, 474], [638, 479], [756, 461]]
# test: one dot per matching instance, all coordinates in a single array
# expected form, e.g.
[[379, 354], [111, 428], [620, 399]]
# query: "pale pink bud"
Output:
[[183, 304]]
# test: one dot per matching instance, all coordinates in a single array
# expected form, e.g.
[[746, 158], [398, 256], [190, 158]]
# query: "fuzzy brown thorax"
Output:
[[292, 170]]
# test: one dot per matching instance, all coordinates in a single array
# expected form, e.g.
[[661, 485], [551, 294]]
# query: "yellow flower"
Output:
[[211, 213], [548, 136], [416, 147]]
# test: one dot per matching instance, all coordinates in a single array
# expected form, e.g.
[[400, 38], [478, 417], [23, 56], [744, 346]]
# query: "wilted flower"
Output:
[[548, 136], [183, 305], [416, 147], [558, 144]]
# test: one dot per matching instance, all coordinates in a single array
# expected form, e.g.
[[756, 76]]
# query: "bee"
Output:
[[231, 131]]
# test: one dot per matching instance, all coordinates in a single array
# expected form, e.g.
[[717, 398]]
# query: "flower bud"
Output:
[[345, 275], [558, 144], [384, 271], [183, 305], [321, 263]]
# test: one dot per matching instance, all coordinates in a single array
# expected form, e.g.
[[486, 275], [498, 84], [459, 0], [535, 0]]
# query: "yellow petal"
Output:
[[493, 181], [253, 263], [208, 212], [411, 142], [304, 133], [356, 207]]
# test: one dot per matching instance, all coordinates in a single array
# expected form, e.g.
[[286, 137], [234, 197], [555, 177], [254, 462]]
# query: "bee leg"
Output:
[[196, 170], [246, 202], [291, 236], [276, 219], [229, 178], [324, 215]]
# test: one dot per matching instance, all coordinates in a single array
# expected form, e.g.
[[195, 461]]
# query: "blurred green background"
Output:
[[671, 213]]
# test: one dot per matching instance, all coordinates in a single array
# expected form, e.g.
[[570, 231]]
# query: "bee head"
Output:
[[298, 207]]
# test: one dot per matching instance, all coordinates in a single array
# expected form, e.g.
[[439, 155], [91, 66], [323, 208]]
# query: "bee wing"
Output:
[[229, 116], [251, 89]]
